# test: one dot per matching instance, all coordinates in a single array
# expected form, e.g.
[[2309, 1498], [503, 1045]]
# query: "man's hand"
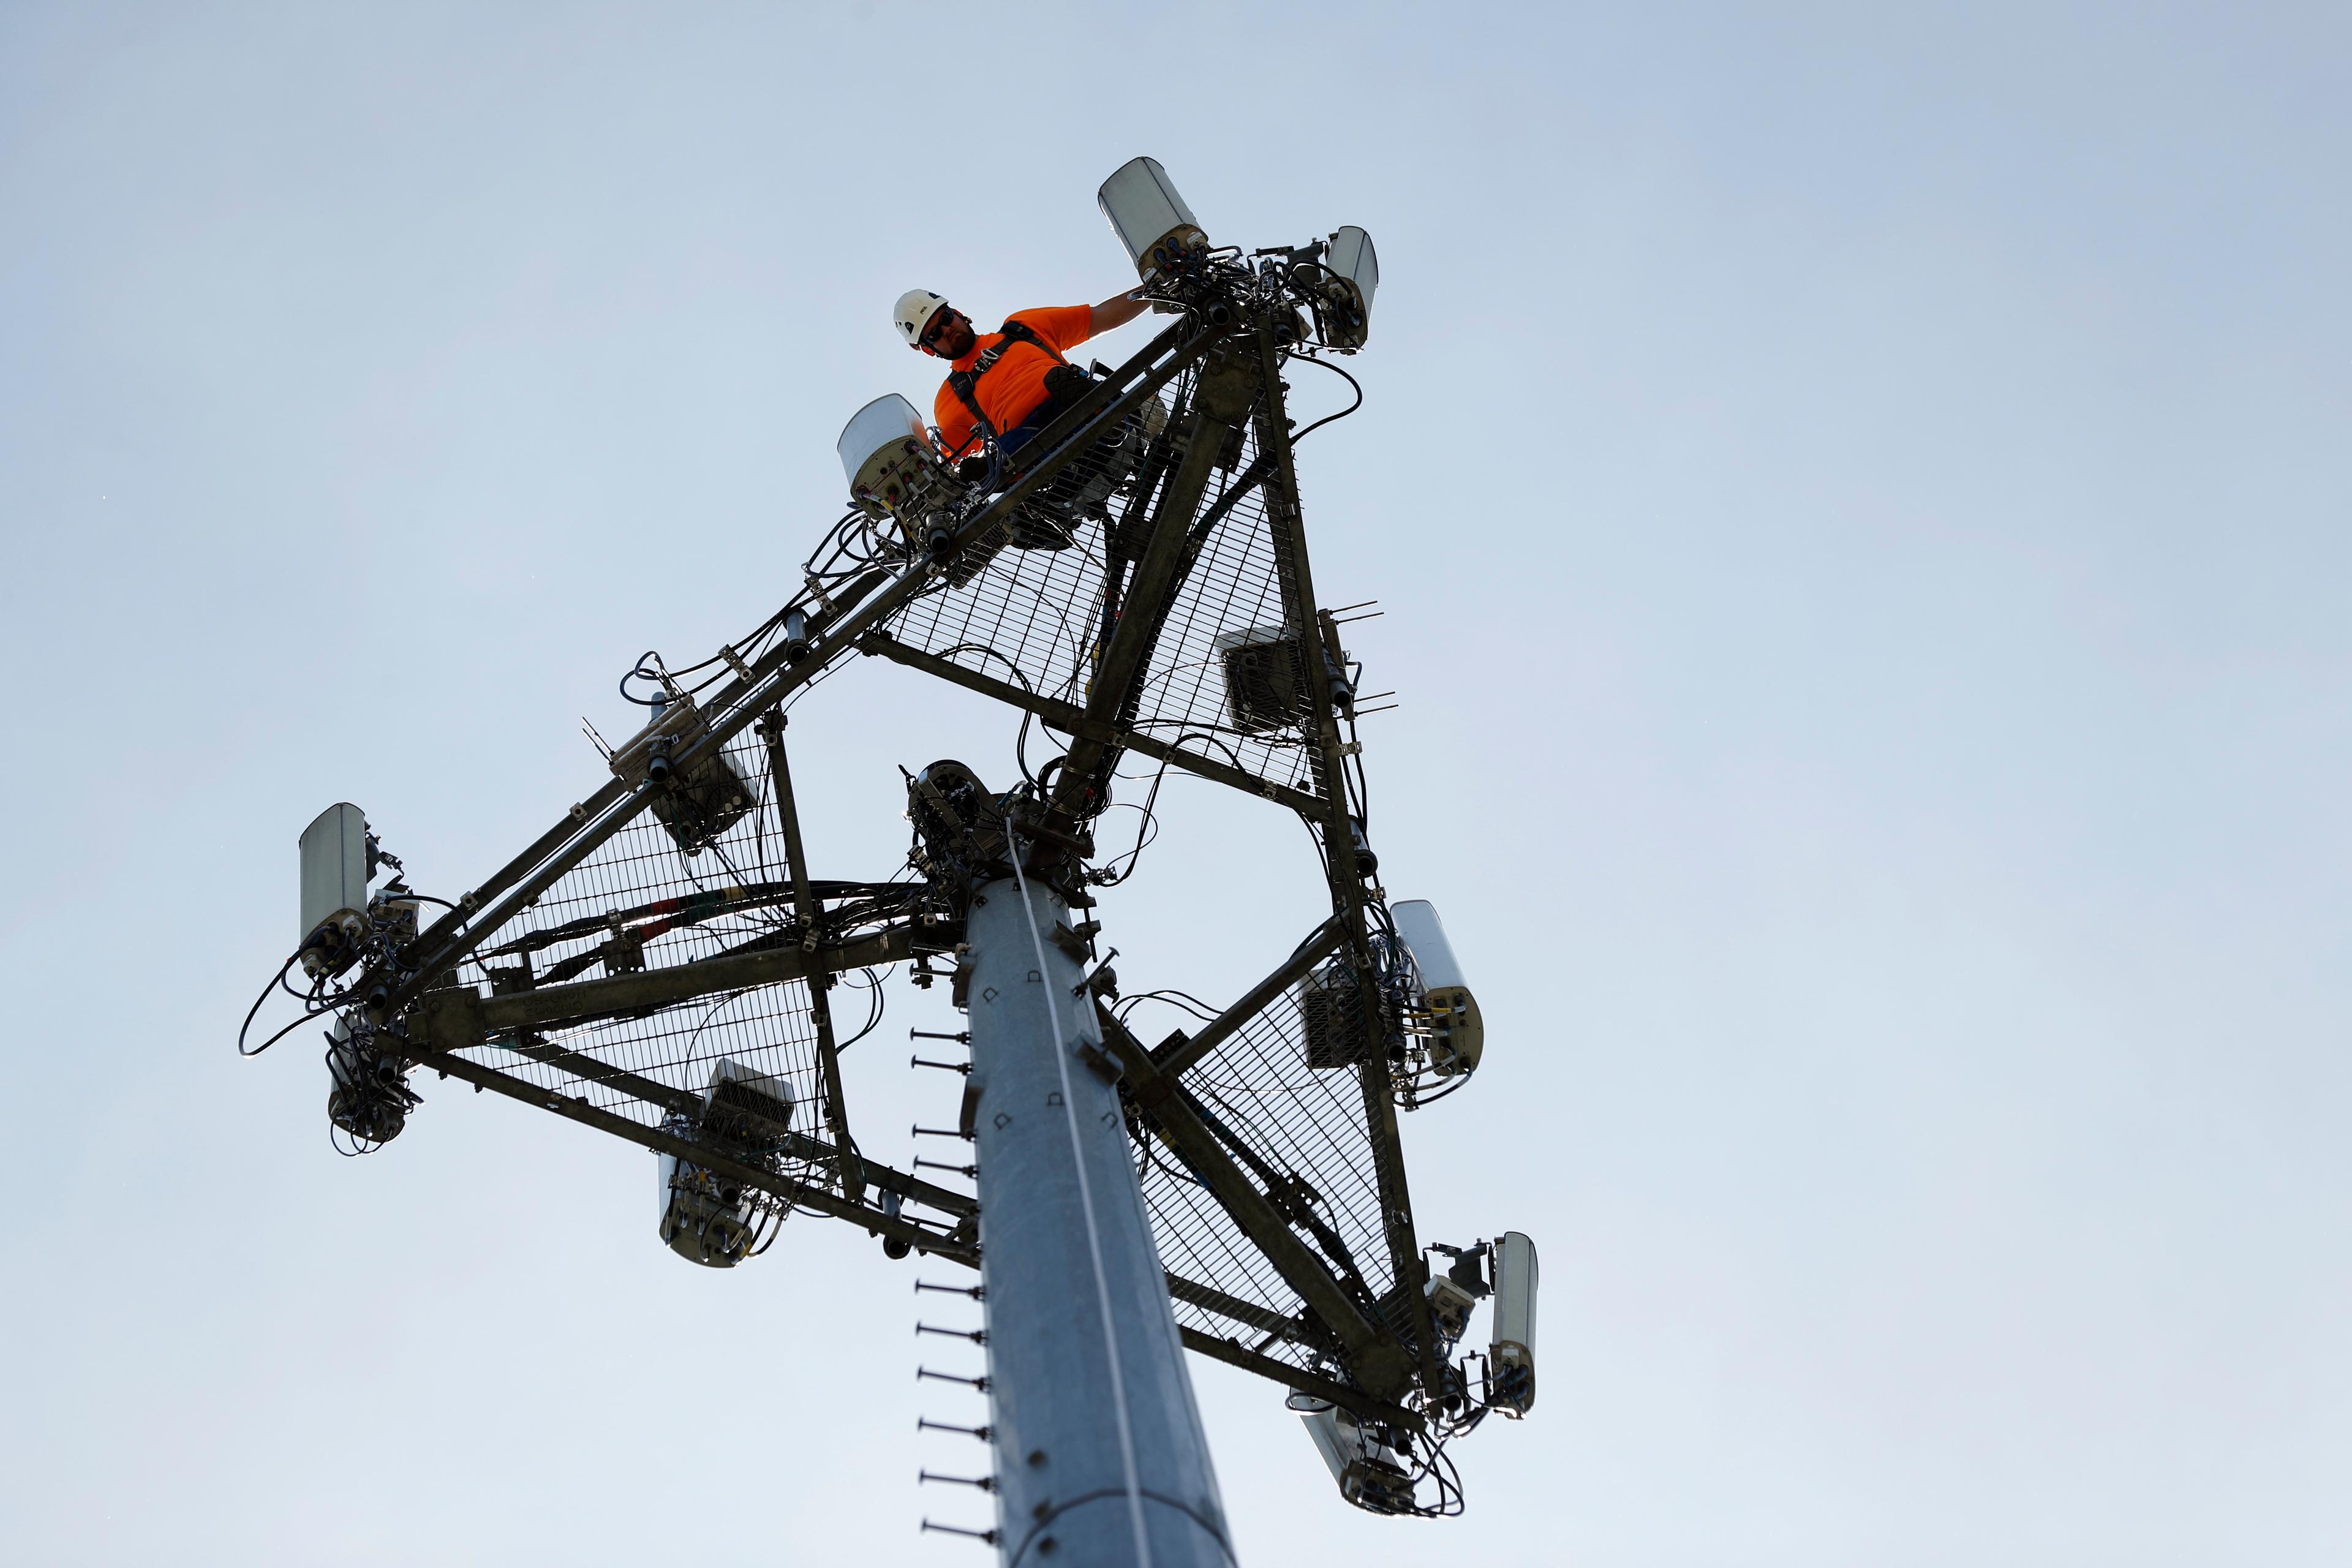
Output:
[[1115, 312]]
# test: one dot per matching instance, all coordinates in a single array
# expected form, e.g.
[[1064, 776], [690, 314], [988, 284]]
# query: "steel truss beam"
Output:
[[820, 984], [1233, 1353], [1295, 576], [684, 1103], [1221, 400], [892, 1228], [1071, 719], [464, 1017], [1209, 1299]]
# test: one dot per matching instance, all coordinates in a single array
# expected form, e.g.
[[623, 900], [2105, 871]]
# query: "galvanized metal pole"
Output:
[[1100, 1457]]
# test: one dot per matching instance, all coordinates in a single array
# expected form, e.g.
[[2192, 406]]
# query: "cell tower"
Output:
[[662, 965]]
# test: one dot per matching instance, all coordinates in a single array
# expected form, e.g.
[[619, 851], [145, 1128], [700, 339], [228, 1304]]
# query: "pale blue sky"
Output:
[[1860, 498]]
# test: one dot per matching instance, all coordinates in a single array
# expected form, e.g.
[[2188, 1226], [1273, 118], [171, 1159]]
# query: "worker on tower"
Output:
[[1015, 379]]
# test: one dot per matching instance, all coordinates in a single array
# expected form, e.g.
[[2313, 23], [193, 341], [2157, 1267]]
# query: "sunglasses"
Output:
[[938, 329]]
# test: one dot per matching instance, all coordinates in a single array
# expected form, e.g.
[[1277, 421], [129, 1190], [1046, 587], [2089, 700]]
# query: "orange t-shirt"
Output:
[[1012, 388]]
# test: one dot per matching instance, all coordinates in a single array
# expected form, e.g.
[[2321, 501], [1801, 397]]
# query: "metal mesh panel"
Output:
[[1223, 675], [765, 1029], [1028, 616], [643, 901], [677, 905], [1035, 615], [1300, 1133]]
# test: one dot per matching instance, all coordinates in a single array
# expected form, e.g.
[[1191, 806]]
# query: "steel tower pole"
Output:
[[1100, 1456]]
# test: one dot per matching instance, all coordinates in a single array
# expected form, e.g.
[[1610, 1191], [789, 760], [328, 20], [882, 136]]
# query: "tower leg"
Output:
[[1100, 1457]]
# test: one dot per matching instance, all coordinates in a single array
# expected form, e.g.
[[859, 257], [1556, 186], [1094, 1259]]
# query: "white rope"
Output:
[[1086, 1204]]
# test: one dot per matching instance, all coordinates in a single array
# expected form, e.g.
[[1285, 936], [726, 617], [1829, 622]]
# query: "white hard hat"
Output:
[[916, 308]]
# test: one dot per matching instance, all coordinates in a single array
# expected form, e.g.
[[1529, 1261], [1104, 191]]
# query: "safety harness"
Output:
[[965, 383]]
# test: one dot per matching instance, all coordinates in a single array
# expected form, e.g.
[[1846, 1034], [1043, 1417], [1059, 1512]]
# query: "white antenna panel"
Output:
[[1350, 255], [876, 442], [1460, 1035], [1150, 218], [1514, 1350], [334, 867]]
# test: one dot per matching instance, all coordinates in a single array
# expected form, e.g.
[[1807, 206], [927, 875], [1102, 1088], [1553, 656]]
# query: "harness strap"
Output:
[[965, 383]]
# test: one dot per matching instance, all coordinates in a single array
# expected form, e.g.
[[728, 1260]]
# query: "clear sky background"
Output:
[[1859, 495]]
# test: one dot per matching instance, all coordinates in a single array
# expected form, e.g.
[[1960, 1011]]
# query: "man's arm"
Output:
[[1115, 312], [953, 420]]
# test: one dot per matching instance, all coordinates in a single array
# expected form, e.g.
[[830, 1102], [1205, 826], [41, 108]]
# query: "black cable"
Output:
[[271, 984], [1455, 1088], [1440, 1467], [1363, 789], [717, 664], [1209, 736], [638, 671], [1151, 1157], [1020, 737], [1213, 732], [1169, 997], [1146, 831], [1296, 436], [306, 997], [1321, 853], [874, 1009], [305, 1018]]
